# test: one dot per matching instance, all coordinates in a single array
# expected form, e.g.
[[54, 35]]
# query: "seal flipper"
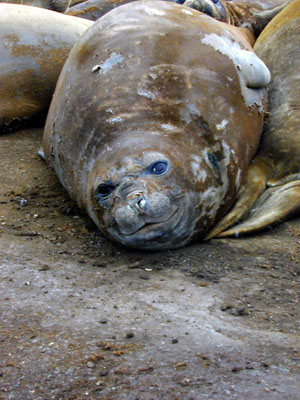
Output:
[[272, 207], [261, 19], [255, 184]]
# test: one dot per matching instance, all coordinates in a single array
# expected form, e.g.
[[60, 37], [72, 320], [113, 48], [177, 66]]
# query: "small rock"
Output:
[[264, 364], [44, 267], [23, 202], [240, 311], [147, 368], [100, 264], [265, 266], [174, 341], [144, 276], [103, 321], [90, 364], [180, 365], [275, 275], [129, 335], [225, 307], [133, 265], [236, 369]]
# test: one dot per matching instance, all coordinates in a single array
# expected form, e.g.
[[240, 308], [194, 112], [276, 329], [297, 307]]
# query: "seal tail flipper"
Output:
[[254, 186], [272, 207]]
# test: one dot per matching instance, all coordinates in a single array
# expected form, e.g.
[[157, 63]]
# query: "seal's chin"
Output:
[[147, 227], [167, 234]]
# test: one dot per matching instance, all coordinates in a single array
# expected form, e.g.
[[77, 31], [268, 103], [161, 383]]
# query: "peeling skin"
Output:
[[252, 71], [113, 60], [154, 106]]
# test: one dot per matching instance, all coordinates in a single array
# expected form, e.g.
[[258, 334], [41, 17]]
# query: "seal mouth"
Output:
[[155, 227]]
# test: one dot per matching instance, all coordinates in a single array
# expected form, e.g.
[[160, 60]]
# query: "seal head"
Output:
[[145, 197]]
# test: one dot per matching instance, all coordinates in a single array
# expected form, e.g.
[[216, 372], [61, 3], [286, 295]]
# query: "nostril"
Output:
[[142, 204], [134, 196]]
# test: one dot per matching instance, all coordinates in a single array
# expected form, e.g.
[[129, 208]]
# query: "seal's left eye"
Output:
[[158, 168], [104, 190], [215, 1]]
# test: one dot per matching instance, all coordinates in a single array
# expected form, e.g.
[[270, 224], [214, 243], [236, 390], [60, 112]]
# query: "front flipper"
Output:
[[255, 184], [261, 19], [272, 207]]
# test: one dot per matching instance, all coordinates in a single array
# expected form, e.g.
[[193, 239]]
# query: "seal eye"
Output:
[[215, 1], [104, 190], [158, 168]]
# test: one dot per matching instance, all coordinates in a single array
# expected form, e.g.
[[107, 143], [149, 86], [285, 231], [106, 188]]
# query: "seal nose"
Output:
[[133, 194], [137, 201]]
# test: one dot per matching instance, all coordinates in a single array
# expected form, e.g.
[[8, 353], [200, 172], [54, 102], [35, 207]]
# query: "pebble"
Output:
[[144, 276], [23, 202], [174, 341], [129, 335], [133, 265], [90, 364], [100, 264]]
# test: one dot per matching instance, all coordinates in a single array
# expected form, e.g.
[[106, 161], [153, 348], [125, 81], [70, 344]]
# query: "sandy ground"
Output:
[[82, 318]]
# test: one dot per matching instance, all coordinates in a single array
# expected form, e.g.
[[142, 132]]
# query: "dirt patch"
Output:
[[83, 318]]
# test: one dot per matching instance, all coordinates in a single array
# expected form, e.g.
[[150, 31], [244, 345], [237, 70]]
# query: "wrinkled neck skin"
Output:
[[154, 211]]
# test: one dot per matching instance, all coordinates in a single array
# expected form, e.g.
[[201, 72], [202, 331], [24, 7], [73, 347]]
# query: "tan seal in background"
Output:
[[94, 9], [155, 118], [34, 44], [55, 5], [272, 190]]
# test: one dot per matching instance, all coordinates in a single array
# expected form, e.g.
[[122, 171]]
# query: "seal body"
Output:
[[34, 44], [271, 192], [55, 5], [155, 118], [248, 14], [94, 9]]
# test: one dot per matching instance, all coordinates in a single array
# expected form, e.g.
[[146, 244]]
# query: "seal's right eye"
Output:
[[104, 190]]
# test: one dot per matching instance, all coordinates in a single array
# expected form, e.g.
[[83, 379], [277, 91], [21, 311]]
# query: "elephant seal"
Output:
[[54, 5], [255, 16], [94, 9], [34, 44], [155, 118], [271, 192]]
